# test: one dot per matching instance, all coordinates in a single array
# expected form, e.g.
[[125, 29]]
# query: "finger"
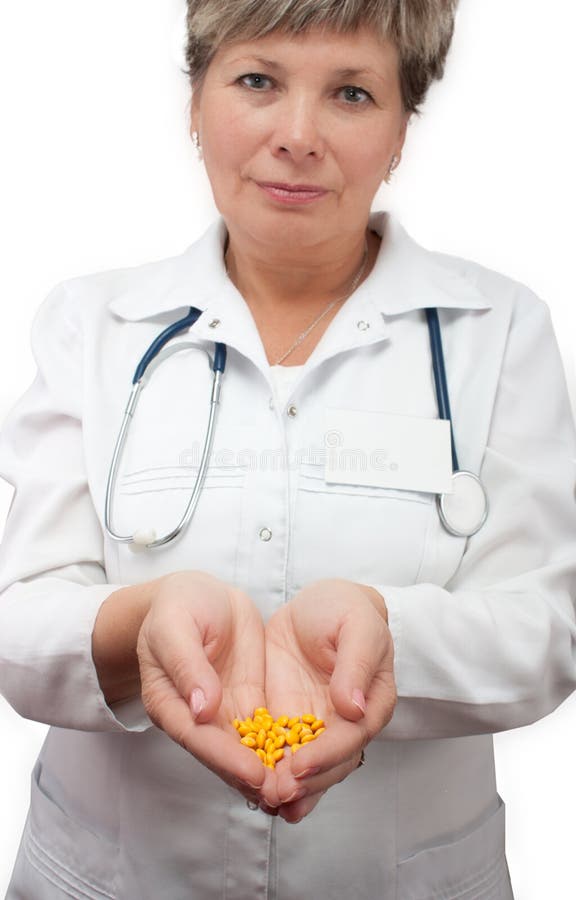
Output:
[[364, 647], [269, 788], [220, 752], [250, 794], [179, 653], [323, 781], [315, 787], [299, 809], [340, 743], [214, 747]]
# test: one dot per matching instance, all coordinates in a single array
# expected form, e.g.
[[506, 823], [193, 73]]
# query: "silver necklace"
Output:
[[330, 306]]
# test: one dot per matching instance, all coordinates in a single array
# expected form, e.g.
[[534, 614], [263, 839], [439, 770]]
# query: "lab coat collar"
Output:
[[193, 278], [405, 277]]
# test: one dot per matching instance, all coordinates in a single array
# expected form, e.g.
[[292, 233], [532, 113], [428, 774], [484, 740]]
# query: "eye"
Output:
[[258, 81], [356, 96]]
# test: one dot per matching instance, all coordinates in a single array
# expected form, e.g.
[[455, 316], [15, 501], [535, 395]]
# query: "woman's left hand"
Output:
[[329, 652]]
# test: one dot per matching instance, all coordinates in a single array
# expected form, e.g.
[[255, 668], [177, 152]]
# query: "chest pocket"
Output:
[[362, 533]]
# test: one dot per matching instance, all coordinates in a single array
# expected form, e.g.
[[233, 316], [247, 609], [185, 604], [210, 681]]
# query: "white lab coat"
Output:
[[484, 629]]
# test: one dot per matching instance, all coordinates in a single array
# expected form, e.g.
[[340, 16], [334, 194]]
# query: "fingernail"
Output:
[[255, 787], [359, 700], [297, 795], [198, 701], [307, 772]]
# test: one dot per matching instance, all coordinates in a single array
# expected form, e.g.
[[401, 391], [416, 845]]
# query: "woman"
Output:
[[307, 578]]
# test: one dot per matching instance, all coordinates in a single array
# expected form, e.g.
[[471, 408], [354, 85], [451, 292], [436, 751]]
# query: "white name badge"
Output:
[[382, 450]]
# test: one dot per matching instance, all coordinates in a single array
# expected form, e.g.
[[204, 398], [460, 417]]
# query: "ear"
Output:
[[402, 135], [195, 110]]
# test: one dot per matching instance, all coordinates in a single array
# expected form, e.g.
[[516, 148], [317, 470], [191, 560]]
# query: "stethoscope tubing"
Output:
[[444, 412], [167, 335], [218, 368], [440, 380], [218, 364]]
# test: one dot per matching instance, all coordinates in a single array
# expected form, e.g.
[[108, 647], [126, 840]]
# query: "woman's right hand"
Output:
[[202, 663]]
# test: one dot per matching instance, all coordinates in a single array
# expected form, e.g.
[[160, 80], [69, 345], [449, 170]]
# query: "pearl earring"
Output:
[[196, 143]]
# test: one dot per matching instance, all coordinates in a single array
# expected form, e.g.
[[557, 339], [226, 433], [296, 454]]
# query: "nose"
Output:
[[298, 132]]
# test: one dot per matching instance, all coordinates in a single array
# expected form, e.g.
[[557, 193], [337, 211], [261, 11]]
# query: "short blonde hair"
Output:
[[420, 29]]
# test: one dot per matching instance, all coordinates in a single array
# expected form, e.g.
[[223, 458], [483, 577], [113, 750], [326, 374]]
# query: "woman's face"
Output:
[[322, 110]]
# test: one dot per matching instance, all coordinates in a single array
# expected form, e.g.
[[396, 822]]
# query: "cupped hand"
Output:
[[329, 652], [202, 663]]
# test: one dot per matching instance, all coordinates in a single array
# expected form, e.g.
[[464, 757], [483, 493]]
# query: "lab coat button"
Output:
[[363, 326], [292, 412], [214, 323], [265, 534], [271, 403]]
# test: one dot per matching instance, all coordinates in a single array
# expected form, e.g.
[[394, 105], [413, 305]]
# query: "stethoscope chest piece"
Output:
[[464, 511]]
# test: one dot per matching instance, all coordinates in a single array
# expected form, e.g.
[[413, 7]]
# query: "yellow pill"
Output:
[[269, 738]]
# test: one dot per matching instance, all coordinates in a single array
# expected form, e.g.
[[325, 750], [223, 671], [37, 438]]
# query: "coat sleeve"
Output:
[[52, 576], [495, 648]]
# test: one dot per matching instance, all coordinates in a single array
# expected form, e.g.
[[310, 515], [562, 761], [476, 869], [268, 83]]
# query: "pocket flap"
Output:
[[60, 847], [470, 868]]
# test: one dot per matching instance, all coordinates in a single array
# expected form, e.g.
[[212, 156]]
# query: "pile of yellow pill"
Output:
[[269, 738]]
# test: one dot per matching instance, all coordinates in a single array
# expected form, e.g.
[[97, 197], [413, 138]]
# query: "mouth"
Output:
[[292, 193]]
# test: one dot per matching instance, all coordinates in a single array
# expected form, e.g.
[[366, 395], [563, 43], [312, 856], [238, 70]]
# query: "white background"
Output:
[[97, 171]]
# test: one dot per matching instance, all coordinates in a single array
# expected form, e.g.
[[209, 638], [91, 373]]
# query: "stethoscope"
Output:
[[463, 511]]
